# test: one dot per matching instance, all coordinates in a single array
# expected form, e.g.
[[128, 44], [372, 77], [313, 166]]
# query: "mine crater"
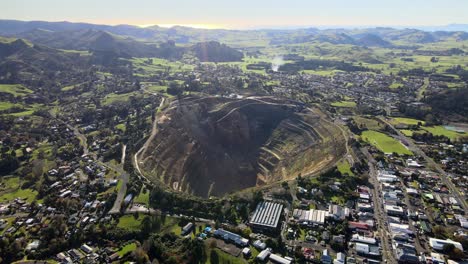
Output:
[[211, 146]]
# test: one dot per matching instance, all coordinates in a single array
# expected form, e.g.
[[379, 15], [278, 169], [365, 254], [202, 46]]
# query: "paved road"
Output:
[[443, 175], [379, 212], [123, 188], [124, 149], [417, 242]]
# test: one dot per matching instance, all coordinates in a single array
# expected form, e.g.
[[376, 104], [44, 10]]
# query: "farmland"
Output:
[[442, 131], [385, 143], [14, 89], [407, 121], [346, 104]]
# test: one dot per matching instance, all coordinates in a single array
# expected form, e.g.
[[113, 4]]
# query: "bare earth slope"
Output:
[[215, 145]]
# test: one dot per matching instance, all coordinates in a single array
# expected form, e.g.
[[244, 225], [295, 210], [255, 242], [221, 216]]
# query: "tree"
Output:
[[174, 89], [146, 225], [456, 254], [439, 232], [246, 232], [214, 257], [213, 244], [198, 252], [37, 168], [448, 248], [140, 255]]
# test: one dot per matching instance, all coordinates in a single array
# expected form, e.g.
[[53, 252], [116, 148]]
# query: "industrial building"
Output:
[[278, 259], [187, 229], [264, 254], [266, 216], [310, 217], [231, 237], [337, 212]]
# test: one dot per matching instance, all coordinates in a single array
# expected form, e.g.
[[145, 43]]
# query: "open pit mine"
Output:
[[211, 146]]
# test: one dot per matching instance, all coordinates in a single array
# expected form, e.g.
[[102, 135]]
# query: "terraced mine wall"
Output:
[[215, 145]]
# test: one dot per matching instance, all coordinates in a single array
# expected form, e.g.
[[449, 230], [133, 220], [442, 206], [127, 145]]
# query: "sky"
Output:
[[242, 14]]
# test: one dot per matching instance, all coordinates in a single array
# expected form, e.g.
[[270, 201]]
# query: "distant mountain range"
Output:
[[450, 27], [131, 41], [44, 32]]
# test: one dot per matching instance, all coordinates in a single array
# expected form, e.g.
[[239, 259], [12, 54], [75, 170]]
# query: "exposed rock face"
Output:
[[212, 146]]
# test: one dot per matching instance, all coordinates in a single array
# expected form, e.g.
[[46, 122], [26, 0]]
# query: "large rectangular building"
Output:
[[310, 217], [438, 244], [266, 216], [231, 237]]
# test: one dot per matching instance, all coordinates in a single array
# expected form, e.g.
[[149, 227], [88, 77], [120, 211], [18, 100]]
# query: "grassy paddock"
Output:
[[442, 131], [127, 249], [345, 168], [14, 89], [347, 104], [406, 121], [11, 189], [129, 222], [385, 143]]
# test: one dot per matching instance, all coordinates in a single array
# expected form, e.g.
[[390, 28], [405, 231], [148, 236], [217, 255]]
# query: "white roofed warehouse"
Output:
[[266, 217], [310, 217]]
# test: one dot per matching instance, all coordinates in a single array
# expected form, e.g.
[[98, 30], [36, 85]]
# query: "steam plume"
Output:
[[276, 63]]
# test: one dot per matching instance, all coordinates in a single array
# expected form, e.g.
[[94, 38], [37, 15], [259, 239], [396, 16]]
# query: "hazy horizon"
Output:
[[259, 27], [244, 14]]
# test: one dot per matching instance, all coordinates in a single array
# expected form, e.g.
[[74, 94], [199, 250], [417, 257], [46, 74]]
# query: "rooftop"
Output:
[[267, 214]]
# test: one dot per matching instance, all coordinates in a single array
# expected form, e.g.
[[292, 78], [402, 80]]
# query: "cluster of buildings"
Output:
[[315, 217], [414, 202], [70, 184], [362, 228], [265, 219]]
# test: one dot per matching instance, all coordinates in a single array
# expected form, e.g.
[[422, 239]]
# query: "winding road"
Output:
[[143, 149]]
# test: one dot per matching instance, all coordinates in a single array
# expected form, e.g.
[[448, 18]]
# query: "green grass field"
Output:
[[406, 121], [320, 72], [345, 168], [442, 131], [121, 127], [7, 105], [14, 89], [406, 132], [10, 190], [112, 98], [395, 85], [127, 249], [368, 123], [152, 87], [23, 113], [142, 198], [347, 104], [385, 143], [143, 67], [129, 222], [225, 257], [26, 194], [70, 87]]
